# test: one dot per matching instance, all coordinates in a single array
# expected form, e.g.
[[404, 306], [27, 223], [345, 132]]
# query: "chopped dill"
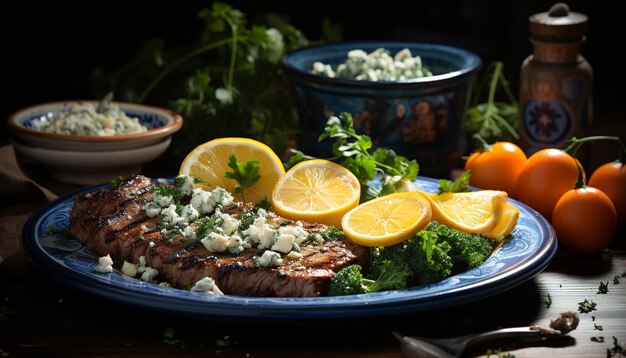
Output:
[[264, 204], [247, 217], [586, 306], [616, 280], [331, 234], [548, 301], [603, 288], [206, 225], [599, 339], [167, 190], [617, 348], [598, 327], [115, 182]]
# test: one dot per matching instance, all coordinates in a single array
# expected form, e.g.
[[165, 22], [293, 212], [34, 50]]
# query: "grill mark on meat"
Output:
[[183, 261], [182, 252]]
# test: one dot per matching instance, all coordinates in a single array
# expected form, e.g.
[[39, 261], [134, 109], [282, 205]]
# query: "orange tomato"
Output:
[[584, 220], [546, 176], [497, 168], [611, 179]]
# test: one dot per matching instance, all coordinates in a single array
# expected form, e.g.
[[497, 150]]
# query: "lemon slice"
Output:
[[506, 223], [209, 163], [316, 191], [387, 220], [475, 212]]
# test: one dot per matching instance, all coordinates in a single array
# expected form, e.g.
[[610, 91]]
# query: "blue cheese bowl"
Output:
[[85, 159], [420, 118], [25, 127]]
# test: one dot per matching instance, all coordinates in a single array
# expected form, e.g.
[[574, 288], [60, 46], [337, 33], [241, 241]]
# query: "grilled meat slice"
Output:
[[112, 221]]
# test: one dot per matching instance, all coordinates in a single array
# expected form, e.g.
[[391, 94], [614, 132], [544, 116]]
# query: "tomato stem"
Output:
[[483, 146], [580, 183], [576, 143]]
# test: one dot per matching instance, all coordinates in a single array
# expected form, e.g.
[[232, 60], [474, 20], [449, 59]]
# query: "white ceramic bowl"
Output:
[[91, 159], [161, 123]]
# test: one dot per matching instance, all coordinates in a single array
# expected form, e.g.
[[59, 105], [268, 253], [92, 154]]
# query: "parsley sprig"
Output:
[[354, 151], [246, 174]]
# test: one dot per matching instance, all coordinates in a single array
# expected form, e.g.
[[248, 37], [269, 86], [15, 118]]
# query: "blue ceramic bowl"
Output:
[[418, 118]]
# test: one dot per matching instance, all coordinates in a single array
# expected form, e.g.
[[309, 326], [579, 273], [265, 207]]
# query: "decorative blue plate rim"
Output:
[[528, 250]]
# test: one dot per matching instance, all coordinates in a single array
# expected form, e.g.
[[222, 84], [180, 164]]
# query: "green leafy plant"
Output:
[[493, 120], [354, 151], [228, 82]]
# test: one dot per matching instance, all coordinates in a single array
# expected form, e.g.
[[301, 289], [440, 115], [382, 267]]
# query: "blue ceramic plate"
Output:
[[528, 250]]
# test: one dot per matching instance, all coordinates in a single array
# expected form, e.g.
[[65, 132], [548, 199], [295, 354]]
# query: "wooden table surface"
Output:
[[40, 317]]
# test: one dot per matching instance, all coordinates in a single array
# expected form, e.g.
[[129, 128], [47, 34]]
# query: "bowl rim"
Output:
[[473, 62], [168, 129]]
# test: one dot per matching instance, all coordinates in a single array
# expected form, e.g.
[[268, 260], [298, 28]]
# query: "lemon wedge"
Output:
[[316, 191], [387, 220], [474, 212], [506, 223], [209, 163]]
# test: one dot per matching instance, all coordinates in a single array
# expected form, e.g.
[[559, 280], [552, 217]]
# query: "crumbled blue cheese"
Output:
[[152, 209], [229, 224], [149, 274], [378, 65], [205, 202], [216, 242], [129, 269], [283, 243], [270, 258], [86, 119], [105, 264], [162, 200], [296, 230], [185, 184], [207, 285], [261, 233]]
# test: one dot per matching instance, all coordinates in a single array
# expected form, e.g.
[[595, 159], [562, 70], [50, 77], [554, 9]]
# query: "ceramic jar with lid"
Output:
[[556, 81]]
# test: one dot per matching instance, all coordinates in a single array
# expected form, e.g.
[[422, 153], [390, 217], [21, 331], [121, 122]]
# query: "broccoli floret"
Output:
[[424, 256], [431, 261], [431, 255], [471, 249], [350, 280]]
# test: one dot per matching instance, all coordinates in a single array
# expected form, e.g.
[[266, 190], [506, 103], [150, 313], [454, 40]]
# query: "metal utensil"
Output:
[[420, 347]]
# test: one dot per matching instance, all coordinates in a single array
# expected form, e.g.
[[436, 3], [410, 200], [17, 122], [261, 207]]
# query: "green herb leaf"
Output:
[[460, 185], [603, 288], [586, 306], [246, 174]]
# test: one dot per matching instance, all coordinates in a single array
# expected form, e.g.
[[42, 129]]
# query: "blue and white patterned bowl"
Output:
[[419, 118], [161, 123], [91, 159]]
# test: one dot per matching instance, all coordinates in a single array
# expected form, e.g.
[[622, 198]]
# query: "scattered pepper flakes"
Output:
[[586, 306], [603, 288]]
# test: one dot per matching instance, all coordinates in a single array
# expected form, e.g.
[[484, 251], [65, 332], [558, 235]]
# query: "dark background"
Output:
[[49, 48]]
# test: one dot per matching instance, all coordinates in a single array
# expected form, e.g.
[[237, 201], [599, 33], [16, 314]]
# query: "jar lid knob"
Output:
[[558, 24], [560, 9]]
